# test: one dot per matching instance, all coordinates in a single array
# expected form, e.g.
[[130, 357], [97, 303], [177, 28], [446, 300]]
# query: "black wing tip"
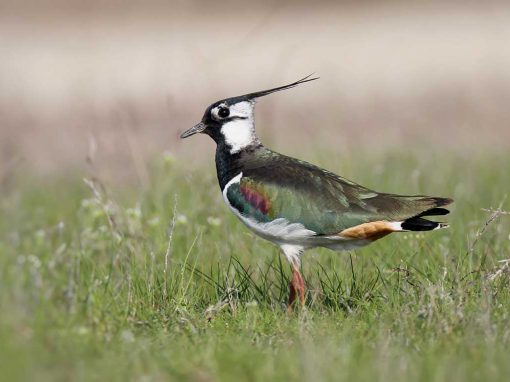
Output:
[[436, 201], [434, 212], [440, 202]]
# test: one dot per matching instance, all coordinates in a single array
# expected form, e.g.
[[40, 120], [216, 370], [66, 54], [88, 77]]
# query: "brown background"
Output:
[[123, 80]]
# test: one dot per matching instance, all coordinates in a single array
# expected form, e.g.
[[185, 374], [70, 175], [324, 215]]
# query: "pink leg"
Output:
[[297, 288]]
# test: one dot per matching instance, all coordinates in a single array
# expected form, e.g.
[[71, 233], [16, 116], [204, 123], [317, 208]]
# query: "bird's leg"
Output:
[[297, 288]]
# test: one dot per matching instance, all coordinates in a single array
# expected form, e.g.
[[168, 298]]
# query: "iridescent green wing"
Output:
[[322, 201]]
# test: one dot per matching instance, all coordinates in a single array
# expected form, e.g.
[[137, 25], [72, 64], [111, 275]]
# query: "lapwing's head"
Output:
[[231, 121]]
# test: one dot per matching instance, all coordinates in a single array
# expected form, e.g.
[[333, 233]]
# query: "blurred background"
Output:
[[118, 81]]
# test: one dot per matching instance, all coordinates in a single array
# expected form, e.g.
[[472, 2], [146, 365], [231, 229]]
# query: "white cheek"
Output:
[[238, 134], [242, 109]]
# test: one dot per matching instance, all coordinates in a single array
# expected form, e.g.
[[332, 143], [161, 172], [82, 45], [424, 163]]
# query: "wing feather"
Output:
[[283, 187]]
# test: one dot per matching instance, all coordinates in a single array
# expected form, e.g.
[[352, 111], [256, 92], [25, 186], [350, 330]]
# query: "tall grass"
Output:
[[161, 283]]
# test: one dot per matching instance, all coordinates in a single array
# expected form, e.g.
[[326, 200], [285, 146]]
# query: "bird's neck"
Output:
[[229, 165]]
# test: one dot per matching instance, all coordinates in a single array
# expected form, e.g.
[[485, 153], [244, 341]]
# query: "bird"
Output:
[[295, 204]]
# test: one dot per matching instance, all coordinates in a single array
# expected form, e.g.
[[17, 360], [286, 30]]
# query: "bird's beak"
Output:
[[198, 128]]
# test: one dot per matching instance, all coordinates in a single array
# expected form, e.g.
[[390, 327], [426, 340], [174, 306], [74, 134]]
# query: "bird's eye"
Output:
[[223, 112]]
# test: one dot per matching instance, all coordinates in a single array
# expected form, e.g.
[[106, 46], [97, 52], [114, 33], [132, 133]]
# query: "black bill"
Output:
[[198, 128]]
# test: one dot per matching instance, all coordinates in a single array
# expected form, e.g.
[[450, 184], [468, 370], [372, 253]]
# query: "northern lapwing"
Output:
[[295, 204]]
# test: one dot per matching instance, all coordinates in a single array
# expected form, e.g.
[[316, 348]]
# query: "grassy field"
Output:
[[101, 282]]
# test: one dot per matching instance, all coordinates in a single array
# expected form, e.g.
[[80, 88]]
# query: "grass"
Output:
[[100, 282]]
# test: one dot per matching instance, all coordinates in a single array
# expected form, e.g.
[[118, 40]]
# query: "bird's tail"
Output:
[[418, 223]]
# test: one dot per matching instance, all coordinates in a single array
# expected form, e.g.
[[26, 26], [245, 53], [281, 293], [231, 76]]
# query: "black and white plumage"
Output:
[[295, 204]]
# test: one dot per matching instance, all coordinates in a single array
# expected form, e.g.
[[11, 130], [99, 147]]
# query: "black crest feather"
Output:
[[279, 88]]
